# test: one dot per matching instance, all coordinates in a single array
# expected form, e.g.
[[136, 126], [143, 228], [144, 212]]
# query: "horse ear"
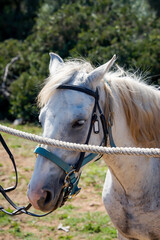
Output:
[[98, 73], [55, 62]]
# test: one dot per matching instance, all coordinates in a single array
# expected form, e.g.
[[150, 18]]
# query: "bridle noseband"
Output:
[[71, 180]]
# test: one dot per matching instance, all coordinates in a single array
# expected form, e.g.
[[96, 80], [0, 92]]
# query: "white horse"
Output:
[[131, 192]]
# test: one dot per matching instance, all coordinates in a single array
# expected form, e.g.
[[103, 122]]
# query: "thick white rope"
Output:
[[155, 152]]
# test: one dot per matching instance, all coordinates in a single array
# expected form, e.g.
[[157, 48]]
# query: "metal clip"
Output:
[[96, 126]]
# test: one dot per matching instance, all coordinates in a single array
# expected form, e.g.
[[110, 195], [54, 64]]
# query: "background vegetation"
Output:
[[92, 29]]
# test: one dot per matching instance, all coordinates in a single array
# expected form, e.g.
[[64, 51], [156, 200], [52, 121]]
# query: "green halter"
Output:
[[69, 169]]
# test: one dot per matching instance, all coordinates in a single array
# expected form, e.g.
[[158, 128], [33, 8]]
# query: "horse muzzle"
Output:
[[44, 199]]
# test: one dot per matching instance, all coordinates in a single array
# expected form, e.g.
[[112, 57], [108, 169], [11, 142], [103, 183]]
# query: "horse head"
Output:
[[66, 114]]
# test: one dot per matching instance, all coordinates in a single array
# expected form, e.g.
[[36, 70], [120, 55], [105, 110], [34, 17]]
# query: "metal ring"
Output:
[[65, 180]]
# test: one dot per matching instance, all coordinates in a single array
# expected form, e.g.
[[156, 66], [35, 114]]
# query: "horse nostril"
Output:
[[48, 197], [45, 199]]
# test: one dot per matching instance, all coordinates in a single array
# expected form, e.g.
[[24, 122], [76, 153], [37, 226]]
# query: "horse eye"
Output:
[[78, 123]]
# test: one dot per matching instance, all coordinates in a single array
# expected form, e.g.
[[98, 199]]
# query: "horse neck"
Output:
[[125, 168]]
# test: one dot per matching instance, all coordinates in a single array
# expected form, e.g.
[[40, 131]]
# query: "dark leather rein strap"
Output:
[[13, 162], [18, 210]]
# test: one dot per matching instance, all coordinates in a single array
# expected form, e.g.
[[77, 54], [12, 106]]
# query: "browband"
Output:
[[80, 89]]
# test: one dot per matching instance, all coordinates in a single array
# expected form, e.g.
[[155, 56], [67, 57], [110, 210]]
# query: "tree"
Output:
[[91, 29]]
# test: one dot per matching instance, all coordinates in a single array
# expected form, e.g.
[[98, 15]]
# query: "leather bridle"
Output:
[[70, 187]]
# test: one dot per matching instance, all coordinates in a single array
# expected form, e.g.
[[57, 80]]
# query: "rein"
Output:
[[18, 210], [71, 180]]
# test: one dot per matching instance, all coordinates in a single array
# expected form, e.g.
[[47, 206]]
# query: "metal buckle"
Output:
[[70, 185], [39, 145], [68, 175], [96, 126]]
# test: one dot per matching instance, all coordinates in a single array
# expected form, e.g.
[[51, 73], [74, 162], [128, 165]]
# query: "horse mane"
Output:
[[62, 75], [141, 104]]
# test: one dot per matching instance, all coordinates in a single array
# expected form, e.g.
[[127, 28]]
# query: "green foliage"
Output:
[[92, 29], [24, 92]]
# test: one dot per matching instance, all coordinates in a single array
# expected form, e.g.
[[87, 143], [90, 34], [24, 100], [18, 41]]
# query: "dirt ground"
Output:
[[25, 168]]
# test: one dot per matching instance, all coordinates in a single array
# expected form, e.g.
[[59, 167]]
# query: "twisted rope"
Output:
[[154, 152]]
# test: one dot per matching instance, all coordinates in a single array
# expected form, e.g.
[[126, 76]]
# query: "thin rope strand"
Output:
[[151, 152]]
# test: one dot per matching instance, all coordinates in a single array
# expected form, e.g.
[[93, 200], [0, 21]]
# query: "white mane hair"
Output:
[[62, 75], [140, 101], [141, 104]]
